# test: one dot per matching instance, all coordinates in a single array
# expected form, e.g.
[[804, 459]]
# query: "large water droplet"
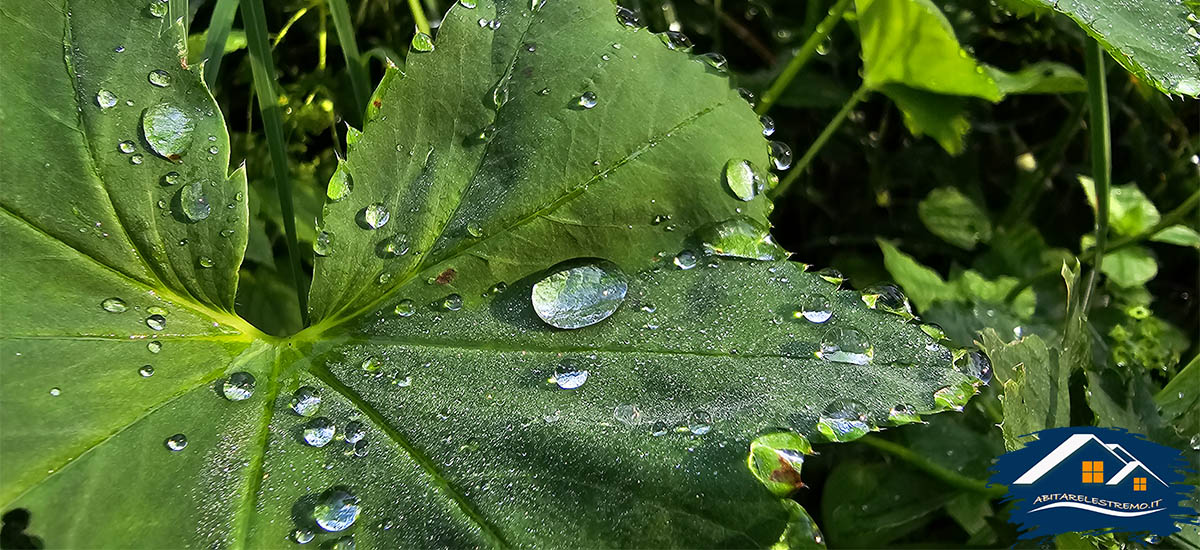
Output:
[[716, 61], [355, 431], [340, 185], [318, 432], [105, 99], [336, 509], [975, 364], [889, 298], [306, 401], [375, 215], [587, 100], [740, 237], [580, 293], [831, 276], [776, 460], [741, 178], [628, 414], [146, 371], [405, 308], [114, 305], [323, 243], [781, 155], [239, 386], [156, 322], [193, 201], [846, 345], [159, 77], [176, 442], [676, 40], [816, 308], [685, 260], [700, 422], [628, 17], [568, 375], [168, 130], [844, 420], [422, 42]]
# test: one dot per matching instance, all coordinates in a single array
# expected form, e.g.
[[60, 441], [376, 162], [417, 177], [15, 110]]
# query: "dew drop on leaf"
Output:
[[156, 322], [340, 185], [159, 77], [628, 17], [239, 386], [170, 178], [452, 302], [740, 177], [405, 308], [323, 243], [831, 276], [844, 420], [168, 130], [975, 364], [114, 305], [469, 4], [676, 40], [660, 428], [781, 155], [176, 442], [740, 237], [846, 345], [816, 309], [580, 293], [158, 8], [768, 125], [126, 147], [355, 431], [587, 100], [371, 365], [318, 432], [716, 61], [422, 42], [336, 509], [889, 298], [306, 401], [628, 414], [154, 346], [193, 201], [55, 392], [375, 215], [568, 375], [204, 262], [303, 536], [136, 159], [903, 413], [146, 371], [685, 260], [699, 422], [105, 99]]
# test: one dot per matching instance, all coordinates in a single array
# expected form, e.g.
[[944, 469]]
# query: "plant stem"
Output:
[[218, 33], [279, 36], [1173, 217], [263, 68], [418, 15], [949, 477], [802, 56], [830, 128], [354, 65], [1101, 154]]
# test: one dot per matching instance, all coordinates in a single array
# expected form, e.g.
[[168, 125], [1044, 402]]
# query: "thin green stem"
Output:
[[418, 15], [949, 477], [1101, 154], [218, 33], [263, 68], [802, 164], [279, 36], [802, 56], [354, 64]]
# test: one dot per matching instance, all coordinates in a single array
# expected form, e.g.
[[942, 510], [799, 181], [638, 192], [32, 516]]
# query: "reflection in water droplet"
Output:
[[336, 509], [587, 100], [628, 414], [318, 432], [846, 345], [126, 147], [303, 536], [579, 293], [340, 184], [146, 371], [105, 99], [776, 459], [685, 260], [193, 201], [889, 298], [55, 392], [114, 305], [740, 177], [716, 61], [204, 262], [160, 78], [676, 40], [781, 155], [176, 442], [168, 129], [405, 308], [469, 4], [158, 8], [371, 364], [700, 422], [816, 308], [844, 420], [452, 302], [568, 375], [156, 322], [154, 346], [306, 401], [660, 428], [170, 178], [628, 17], [768, 125], [903, 413], [136, 159], [975, 364], [740, 237], [422, 42], [355, 431], [375, 215], [322, 244], [832, 276], [239, 386]]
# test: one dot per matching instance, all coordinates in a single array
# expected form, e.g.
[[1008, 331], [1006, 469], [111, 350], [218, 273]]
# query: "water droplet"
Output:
[[371, 364], [740, 237], [716, 61], [146, 371], [587, 100], [781, 154], [1195, 442], [628, 414], [700, 422], [318, 432], [579, 293], [170, 178], [660, 428], [768, 125], [136, 159], [494, 24], [105, 99], [342, 543], [628, 17], [846, 345], [336, 509], [676, 40], [544, 91], [469, 4], [303, 536], [176, 442], [889, 298], [452, 302], [776, 460], [159, 77], [154, 346], [405, 308], [568, 375], [844, 420], [306, 401], [685, 260], [156, 322], [747, 95], [975, 364], [214, 150], [239, 386], [831, 276], [816, 309], [323, 244], [953, 397], [422, 42], [193, 201], [55, 392], [497, 289], [355, 431], [340, 184], [903, 413], [168, 130], [360, 448], [114, 305], [934, 331], [500, 93], [741, 178], [204, 262], [375, 216], [384, 278], [158, 8], [126, 147]]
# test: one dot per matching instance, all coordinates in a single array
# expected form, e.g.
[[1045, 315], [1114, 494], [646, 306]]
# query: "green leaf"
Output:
[[1129, 211], [452, 419], [1180, 402], [1181, 235], [1153, 39], [802, 532], [944, 118], [949, 214], [923, 285], [235, 41], [1129, 267], [1043, 77]]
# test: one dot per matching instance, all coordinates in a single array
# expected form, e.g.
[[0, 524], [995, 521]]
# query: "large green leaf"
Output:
[[465, 442]]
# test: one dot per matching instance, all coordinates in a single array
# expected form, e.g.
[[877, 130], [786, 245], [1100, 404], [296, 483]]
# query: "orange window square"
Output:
[[1139, 484], [1093, 471]]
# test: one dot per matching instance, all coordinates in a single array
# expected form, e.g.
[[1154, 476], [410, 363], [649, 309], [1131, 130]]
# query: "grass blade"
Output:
[[340, 13], [263, 68], [824, 136], [1101, 153], [218, 33]]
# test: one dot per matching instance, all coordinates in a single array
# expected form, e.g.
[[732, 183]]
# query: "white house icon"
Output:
[[1073, 444]]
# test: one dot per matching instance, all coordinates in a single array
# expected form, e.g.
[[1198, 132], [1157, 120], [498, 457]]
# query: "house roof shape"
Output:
[[1072, 444]]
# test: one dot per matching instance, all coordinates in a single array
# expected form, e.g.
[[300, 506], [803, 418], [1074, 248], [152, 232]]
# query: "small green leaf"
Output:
[[942, 117], [1036, 392], [923, 285], [1181, 235], [1043, 77], [1130, 267], [949, 214], [1129, 211], [802, 533]]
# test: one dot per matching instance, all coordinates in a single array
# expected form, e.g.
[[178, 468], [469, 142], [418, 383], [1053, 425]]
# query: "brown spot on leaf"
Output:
[[786, 473], [377, 103], [446, 277]]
